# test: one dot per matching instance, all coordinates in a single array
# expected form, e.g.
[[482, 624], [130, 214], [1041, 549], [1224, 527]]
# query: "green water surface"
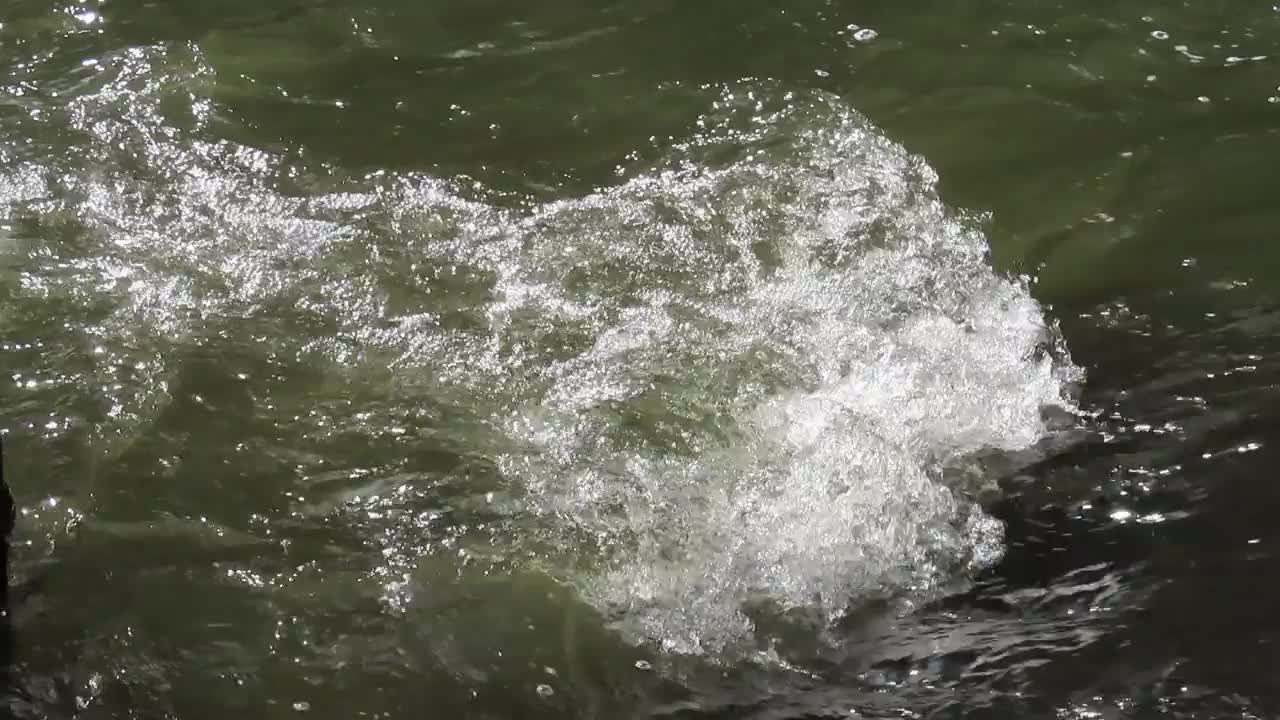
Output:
[[192, 502]]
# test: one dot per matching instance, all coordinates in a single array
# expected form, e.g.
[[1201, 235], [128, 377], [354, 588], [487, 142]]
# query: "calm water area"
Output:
[[641, 359]]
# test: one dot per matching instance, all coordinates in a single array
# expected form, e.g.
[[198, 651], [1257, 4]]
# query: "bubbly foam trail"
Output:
[[729, 380]]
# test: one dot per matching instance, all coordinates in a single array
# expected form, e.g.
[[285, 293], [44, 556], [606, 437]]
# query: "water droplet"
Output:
[[1159, 34]]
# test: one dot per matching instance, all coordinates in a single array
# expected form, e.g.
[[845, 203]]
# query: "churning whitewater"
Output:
[[729, 382]]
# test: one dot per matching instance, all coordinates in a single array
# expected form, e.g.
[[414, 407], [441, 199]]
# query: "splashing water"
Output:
[[783, 350], [734, 378]]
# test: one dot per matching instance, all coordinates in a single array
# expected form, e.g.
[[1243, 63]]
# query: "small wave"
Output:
[[731, 380]]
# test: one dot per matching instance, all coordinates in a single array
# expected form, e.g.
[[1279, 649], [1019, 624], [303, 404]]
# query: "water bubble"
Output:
[[545, 690]]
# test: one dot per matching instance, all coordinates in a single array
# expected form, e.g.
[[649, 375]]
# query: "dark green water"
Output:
[[759, 360]]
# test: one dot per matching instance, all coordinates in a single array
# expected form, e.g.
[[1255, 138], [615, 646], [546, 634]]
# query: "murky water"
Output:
[[640, 360]]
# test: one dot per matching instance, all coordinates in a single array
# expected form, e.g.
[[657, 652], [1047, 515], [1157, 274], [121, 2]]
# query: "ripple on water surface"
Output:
[[727, 385]]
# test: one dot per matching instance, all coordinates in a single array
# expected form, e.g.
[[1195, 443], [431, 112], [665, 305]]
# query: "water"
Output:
[[643, 360]]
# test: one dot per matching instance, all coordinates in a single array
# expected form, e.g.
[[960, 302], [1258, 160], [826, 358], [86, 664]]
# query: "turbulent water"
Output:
[[639, 360], [730, 380]]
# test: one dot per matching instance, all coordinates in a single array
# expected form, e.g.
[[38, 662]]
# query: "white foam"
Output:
[[767, 422], [733, 378]]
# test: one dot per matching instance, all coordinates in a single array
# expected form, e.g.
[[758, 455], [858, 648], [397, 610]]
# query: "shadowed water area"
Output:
[[641, 360]]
